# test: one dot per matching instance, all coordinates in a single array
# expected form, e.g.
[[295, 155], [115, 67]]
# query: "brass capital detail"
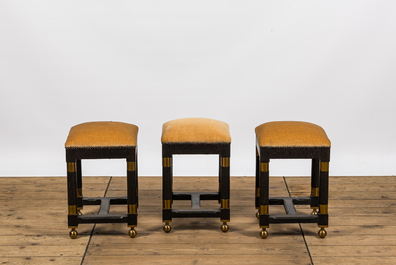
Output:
[[263, 167], [323, 209], [225, 203], [72, 209], [131, 166], [166, 162], [263, 209], [315, 192], [167, 204], [132, 208], [324, 166], [225, 161], [71, 166]]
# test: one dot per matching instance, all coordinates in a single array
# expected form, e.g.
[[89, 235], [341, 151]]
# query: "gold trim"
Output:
[[257, 192], [225, 204], [224, 221], [323, 226], [264, 226], [323, 209], [315, 192], [167, 221], [73, 226], [79, 192], [72, 210], [263, 209], [132, 225], [132, 208], [71, 166], [166, 162], [263, 167], [225, 161], [324, 166], [167, 204], [131, 166]]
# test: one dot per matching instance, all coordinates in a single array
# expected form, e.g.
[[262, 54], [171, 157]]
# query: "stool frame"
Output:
[[318, 200], [76, 201], [222, 196]]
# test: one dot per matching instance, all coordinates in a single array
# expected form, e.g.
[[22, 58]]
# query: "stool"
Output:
[[195, 136], [99, 140], [293, 139]]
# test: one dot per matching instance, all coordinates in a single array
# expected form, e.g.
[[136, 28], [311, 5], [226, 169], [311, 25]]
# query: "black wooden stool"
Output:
[[292, 139], [196, 136], [99, 140]]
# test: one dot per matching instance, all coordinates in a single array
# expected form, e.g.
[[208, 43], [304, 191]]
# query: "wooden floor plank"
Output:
[[33, 224]]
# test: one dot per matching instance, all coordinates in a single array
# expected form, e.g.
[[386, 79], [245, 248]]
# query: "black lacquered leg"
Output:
[[257, 195], [167, 183], [264, 198], [132, 197], [315, 186], [79, 186], [323, 198], [72, 198], [225, 192]]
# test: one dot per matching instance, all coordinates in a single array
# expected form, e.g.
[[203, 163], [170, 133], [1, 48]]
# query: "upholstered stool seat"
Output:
[[101, 140], [196, 136], [293, 139]]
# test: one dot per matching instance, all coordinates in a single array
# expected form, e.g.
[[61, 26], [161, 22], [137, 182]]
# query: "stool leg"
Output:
[[79, 187], [257, 183], [72, 198], [132, 197], [225, 192], [323, 199], [167, 192], [264, 198], [315, 186]]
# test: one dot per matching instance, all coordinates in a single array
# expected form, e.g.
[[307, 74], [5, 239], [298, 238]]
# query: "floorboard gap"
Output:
[[93, 228], [302, 232]]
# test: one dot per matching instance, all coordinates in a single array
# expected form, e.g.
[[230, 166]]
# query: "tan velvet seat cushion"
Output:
[[102, 134], [291, 134], [195, 130]]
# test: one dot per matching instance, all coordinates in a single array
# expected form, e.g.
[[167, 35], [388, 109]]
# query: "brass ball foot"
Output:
[[264, 233], [167, 227], [322, 233], [132, 233], [73, 233], [258, 215], [225, 227], [314, 212]]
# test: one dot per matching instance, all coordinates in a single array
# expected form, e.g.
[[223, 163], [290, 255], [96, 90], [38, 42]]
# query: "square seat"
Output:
[[285, 140], [101, 140], [195, 136]]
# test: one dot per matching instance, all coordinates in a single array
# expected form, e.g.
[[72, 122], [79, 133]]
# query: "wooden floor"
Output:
[[33, 226]]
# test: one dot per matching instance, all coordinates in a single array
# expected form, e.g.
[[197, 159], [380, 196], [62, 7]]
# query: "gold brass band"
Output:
[[324, 166], [263, 209], [323, 226], [257, 192], [166, 204], [323, 209], [72, 209], [225, 161], [315, 192], [132, 225], [131, 166], [71, 166], [79, 192], [132, 208], [264, 226], [225, 203], [166, 162], [263, 167], [225, 221]]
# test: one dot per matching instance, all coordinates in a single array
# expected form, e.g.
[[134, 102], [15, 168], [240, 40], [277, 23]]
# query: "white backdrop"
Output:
[[243, 62]]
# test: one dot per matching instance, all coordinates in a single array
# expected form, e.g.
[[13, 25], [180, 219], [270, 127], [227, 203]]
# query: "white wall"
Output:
[[243, 62]]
